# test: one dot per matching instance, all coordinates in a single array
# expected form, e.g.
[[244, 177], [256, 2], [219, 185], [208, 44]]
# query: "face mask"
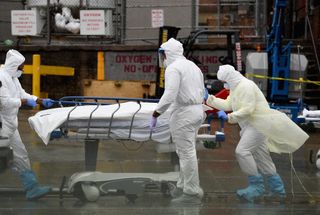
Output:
[[19, 73], [226, 86]]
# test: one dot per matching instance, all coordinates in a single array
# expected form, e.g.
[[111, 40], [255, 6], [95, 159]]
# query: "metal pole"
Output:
[[123, 21], [306, 21], [116, 23], [36, 75], [48, 23], [100, 66], [300, 78], [194, 14], [294, 18]]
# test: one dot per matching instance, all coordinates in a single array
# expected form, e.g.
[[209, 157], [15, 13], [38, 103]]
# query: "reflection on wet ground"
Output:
[[220, 176]]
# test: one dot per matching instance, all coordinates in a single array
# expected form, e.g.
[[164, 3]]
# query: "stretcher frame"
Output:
[[91, 139], [92, 136]]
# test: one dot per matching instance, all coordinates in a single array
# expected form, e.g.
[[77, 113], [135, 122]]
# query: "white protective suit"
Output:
[[11, 94], [184, 92], [262, 128]]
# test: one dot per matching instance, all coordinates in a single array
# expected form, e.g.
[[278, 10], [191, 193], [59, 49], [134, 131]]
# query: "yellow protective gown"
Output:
[[249, 106]]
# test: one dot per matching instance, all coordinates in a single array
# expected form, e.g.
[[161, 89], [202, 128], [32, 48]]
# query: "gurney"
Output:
[[309, 119], [111, 119]]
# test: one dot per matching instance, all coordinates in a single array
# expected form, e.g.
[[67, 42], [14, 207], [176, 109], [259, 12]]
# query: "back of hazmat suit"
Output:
[[183, 94], [262, 130], [11, 94]]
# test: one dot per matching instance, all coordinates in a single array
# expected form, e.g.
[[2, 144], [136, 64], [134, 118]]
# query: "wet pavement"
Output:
[[220, 177]]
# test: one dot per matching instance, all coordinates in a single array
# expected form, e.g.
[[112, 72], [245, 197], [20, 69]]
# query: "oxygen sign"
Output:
[[131, 66]]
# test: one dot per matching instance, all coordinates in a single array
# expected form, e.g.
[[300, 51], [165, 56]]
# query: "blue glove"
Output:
[[206, 94], [222, 115], [47, 103], [31, 103], [56, 134], [153, 122]]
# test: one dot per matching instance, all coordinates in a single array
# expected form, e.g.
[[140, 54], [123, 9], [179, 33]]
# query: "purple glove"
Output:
[[222, 115], [31, 103], [153, 123]]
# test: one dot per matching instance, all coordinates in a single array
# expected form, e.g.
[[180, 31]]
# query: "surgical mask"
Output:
[[19, 73], [226, 86]]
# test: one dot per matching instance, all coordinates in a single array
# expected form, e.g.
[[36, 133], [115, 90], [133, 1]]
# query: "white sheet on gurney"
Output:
[[314, 114], [45, 121]]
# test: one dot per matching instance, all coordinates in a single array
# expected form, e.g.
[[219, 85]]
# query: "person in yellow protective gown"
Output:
[[262, 130]]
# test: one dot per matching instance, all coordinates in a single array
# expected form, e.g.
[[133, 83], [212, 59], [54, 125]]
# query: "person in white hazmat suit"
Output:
[[262, 130], [12, 96], [183, 94]]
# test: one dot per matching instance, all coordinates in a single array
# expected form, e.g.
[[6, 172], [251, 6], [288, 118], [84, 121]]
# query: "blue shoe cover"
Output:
[[30, 184], [37, 192], [255, 189], [276, 186]]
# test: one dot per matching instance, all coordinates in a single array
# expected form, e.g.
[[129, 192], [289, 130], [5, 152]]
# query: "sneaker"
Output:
[[187, 199]]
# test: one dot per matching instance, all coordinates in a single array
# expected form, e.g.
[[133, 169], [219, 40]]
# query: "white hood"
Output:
[[228, 74], [13, 60], [173, 50]]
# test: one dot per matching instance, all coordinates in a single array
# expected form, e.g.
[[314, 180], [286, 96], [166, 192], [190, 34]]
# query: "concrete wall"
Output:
[[5, 17]]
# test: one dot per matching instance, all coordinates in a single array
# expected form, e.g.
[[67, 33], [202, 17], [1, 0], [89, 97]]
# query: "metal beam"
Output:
[[50, 70]]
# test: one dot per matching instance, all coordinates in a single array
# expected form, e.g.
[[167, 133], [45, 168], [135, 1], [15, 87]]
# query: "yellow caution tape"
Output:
[[300, 80]]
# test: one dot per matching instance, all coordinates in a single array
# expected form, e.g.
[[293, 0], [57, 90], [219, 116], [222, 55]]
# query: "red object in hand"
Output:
[[223, 94]]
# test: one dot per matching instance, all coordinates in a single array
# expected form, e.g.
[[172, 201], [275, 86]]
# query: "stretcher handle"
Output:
[[90, 118], [130, 131], [111, 119]]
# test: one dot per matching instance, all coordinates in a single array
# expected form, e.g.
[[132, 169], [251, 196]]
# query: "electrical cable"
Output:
[[295, 173]]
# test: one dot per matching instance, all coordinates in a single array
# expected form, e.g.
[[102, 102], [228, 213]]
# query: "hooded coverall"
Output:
[[184, 93], [11, 94]]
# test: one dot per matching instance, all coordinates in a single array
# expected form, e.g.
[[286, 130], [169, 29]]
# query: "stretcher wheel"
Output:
[[91, 192], [131, 197], [171, 188], [166, 188], [86, 192]]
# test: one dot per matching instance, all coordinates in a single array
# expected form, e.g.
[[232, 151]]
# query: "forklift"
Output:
[[233, 55]]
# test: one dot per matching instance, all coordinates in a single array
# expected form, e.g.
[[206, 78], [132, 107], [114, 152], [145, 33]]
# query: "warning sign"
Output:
[[92, 22], [157, 18], [24, 22]]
